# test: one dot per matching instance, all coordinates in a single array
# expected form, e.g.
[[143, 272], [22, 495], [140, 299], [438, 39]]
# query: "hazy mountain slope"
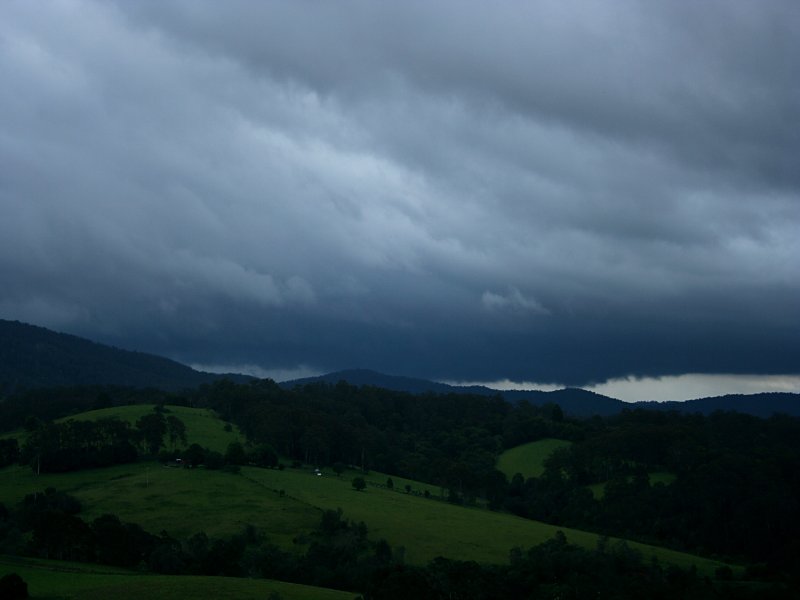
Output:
[[33, 356]]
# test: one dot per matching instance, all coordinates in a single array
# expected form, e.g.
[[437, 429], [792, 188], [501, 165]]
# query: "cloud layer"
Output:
[[561, 191]]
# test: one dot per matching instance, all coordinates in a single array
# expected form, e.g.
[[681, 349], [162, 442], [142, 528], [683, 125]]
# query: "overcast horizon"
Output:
[[603, 195]]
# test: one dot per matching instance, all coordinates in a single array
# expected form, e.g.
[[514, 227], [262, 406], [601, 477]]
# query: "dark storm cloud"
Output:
[[552, 191]]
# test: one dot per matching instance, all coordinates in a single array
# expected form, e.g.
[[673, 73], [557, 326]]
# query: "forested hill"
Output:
[[32, 357]]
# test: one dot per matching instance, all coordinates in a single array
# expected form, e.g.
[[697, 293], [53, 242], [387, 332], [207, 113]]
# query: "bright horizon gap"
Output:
[[688, 386]]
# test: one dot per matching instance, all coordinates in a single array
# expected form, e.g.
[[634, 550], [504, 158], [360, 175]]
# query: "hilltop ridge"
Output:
[[32, 356]]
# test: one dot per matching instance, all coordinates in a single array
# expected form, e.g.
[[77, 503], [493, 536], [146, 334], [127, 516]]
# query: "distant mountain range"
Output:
[[573, 401], [32, 356]]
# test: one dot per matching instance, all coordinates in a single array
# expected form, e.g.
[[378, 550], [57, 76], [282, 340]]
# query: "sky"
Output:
[[571, 193]]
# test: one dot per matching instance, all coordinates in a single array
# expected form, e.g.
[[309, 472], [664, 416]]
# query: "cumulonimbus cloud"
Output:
[[554, 192]]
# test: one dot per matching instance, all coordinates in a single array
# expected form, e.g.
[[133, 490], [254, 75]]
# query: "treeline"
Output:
[[73, 445], [48, 404], [339, 554]]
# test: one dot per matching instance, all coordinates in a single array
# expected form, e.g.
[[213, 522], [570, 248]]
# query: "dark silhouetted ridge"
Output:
[[34, 357], [573, 401]]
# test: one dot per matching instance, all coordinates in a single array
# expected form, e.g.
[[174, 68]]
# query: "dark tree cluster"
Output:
[[53, 403], [13, 587], [73, 445], [9, 452], [151, 429], [259, 455], [51, 528], [557, 569], [736, 490]]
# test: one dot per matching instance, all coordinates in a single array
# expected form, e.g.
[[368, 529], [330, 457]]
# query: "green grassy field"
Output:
[[180, 501], [203, 426], [287, 503], [56, 580], [428, 528], [528, 459], [183, 502]]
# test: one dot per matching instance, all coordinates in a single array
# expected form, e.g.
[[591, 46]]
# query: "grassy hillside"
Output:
[[180, 501], [528, 459], [203, 426], [183, 502], [54, 579], [289, 502]]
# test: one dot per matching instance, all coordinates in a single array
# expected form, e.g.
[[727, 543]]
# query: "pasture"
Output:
[[528, 459], [59, 580], [184, 501], [203, 426], [287, 503]]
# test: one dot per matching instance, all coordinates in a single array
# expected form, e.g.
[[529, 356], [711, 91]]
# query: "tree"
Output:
[[12, 587], [264, 455], [338, 468], [9, 452], [176, 430], [152, 428], [194, 455], [32, 423], [359, 484], [235, 455], [122, 544], [390, 483], [214, 460]]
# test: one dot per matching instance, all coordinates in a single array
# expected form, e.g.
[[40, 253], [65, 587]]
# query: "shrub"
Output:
[[12, 587]]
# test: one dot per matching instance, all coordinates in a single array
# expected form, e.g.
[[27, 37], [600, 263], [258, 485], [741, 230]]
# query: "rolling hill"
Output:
[[286, 503]]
